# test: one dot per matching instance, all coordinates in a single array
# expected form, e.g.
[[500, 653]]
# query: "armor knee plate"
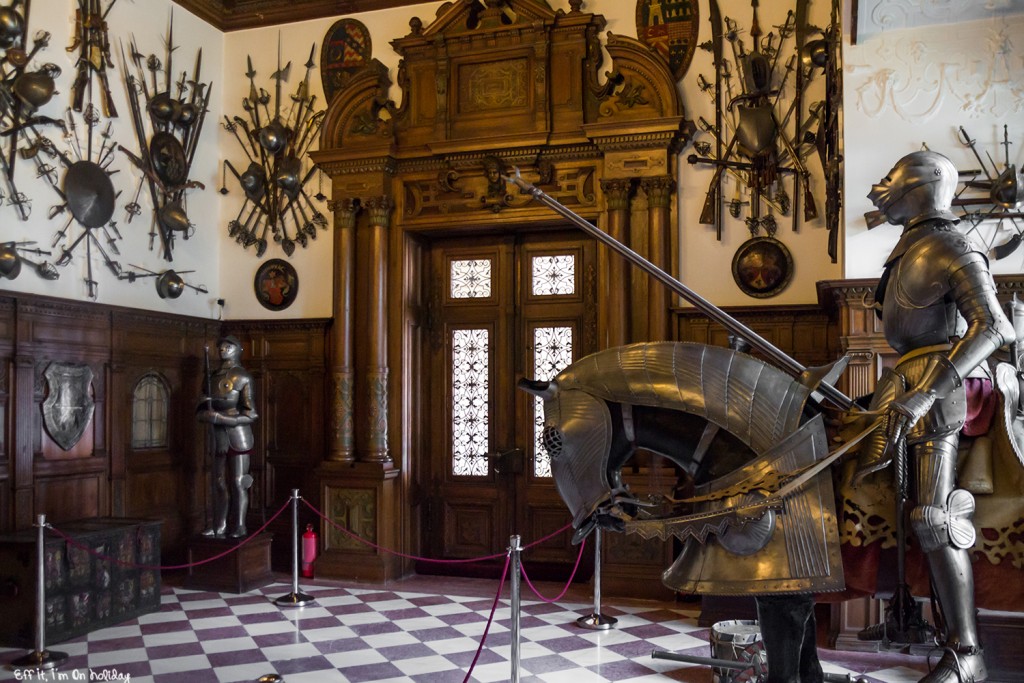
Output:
[[949, 525]]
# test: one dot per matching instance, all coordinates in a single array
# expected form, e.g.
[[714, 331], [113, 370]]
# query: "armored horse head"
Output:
[[742, 429]]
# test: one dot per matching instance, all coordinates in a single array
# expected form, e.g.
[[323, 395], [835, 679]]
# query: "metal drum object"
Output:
[[738, 641]]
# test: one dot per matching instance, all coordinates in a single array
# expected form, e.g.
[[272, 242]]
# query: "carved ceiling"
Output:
[[232, 15]]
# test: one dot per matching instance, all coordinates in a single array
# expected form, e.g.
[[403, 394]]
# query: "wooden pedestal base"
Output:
[[240, 571]]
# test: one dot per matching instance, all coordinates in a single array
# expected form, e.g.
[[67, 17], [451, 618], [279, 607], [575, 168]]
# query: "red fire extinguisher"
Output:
[[308, 551]]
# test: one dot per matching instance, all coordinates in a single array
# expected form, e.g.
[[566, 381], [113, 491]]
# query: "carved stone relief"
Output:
[[916, 76]]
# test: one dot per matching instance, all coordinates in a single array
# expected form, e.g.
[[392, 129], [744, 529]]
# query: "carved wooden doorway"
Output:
[[502, 308]]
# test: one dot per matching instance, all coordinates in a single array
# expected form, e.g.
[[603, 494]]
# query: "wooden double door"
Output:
[[502, 308]]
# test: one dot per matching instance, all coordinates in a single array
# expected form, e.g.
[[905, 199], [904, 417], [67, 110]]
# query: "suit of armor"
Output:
[[231, 410], [934, 280]]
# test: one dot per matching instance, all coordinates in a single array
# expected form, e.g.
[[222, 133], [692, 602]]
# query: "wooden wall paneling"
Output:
[[169, 482], [807, 333], [100, 475], [65, 484], [7, 375], [288, 362]]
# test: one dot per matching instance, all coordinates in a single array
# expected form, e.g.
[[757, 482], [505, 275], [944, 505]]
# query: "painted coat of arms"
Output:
[[68, 408], [669, 27], [346, 50]]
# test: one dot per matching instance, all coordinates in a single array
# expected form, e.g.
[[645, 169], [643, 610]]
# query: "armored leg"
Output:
[[219, 523], [240, 481], [943, 526], [788, 631]]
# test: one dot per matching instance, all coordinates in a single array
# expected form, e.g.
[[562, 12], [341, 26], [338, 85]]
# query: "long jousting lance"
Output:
[[774, 353]]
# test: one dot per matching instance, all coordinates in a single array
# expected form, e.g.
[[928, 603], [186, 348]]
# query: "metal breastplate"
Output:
[[916, 308]]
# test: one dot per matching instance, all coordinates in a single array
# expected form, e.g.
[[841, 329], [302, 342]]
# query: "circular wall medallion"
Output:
[[276, 284], [762, 267]]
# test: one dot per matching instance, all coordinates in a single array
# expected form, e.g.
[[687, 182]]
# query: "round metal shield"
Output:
[[168, 158], [90, 193], [762, 267]]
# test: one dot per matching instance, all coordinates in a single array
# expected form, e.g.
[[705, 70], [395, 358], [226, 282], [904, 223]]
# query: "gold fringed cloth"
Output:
[[867, 526]]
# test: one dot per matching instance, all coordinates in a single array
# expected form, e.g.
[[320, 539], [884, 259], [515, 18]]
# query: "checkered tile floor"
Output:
[[402, 634]]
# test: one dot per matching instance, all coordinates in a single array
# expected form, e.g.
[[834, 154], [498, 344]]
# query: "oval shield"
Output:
[[68, 408], [670, 28], [346, 50], [90, 193]]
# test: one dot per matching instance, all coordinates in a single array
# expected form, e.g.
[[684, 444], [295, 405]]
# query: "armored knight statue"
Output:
[[230, 409], [934, 281]]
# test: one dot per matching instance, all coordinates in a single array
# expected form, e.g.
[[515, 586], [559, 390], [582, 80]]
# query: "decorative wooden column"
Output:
[[23, 493], [341, 420], [615, 313], [376, 368], [359, 483], [659, 191]]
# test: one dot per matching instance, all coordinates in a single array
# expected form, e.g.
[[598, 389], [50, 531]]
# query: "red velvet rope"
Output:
[[494, 607], [522, 568]]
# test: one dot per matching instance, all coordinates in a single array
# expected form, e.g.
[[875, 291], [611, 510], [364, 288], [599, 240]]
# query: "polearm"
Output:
[[775, 354]]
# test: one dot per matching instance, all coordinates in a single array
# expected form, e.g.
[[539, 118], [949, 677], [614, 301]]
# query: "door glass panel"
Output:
[[470, 279], [470, 373], [552, 352], [553, 275]]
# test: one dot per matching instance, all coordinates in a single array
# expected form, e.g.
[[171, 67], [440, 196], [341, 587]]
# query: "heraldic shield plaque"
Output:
[[68, 408]]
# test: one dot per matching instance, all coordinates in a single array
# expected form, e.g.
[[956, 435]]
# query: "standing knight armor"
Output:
[[230, 409], [938, 305]]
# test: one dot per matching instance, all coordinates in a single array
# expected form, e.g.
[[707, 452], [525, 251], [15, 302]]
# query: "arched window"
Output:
[[149, 412]]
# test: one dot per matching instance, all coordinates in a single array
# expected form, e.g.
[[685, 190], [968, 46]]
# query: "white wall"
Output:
[[706, 263], [148, 22], [903, 87], [908, 87]]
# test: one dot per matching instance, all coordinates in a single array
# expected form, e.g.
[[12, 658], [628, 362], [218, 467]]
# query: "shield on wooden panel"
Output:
[[669, 27], [68, 408]]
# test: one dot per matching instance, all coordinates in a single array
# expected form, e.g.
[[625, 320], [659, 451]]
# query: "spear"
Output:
[[785, 362]]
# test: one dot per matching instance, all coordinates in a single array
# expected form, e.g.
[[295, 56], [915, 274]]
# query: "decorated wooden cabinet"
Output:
[[97, 572]]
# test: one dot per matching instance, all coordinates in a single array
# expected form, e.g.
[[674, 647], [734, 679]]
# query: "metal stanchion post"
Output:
[[515, 569], [40, 658], [597, 621], [295, 598]]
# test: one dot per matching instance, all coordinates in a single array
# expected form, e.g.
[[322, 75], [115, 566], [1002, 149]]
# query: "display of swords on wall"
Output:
[[23, 90], [167, 116], [987, 196], [79, 173], [764, 131], [276, 143]]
